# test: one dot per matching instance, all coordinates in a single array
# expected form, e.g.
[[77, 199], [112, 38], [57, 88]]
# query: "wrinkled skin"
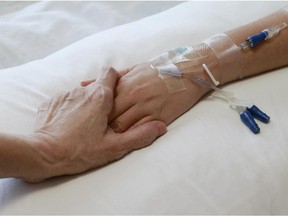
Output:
[[72, 133], [141, 96]]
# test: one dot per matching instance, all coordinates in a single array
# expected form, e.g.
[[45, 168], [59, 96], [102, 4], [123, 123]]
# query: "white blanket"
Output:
[[207, 163]]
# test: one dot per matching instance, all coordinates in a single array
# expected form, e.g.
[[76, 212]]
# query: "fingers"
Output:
[[123, 101], [120, 106], [145, 119], [121, 73], [87, 82], [128, 118], [105, 83], [140, 136], [99, 95], [126, 71], [108, 77], [105, 72]]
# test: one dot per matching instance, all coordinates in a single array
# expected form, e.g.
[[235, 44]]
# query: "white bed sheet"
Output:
[[207, 163], [31, 30]]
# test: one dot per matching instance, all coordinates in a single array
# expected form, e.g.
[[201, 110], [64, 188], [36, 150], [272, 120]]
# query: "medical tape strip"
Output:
[[195, 65], [184, 60], [171, 76], [168, 72], [228, 54]]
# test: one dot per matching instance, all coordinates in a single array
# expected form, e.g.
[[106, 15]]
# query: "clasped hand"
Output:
[[72, 134], [141, 96]]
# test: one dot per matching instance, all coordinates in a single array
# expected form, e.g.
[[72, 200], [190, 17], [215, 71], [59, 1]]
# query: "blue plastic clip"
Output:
[[256, 39], [249, 121], [258, 114], [247, 116]]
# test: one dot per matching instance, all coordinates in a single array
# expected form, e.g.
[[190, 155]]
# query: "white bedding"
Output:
[[207, 163], [33, 30]]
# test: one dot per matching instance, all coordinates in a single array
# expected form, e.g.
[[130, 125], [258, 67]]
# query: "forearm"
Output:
[[19, 159], [270, 55], [235, 63], [143, 95]]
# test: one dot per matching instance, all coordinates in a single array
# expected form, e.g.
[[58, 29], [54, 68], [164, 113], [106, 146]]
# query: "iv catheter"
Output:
[[267, 33], [222, 47]]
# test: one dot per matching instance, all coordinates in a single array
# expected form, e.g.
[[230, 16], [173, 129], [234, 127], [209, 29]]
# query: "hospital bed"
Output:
[[207, 162]]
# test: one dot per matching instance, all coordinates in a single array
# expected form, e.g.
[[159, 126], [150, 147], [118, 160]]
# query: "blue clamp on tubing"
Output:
[[256, 39], [249, 121], [264, 35], [258, 114]]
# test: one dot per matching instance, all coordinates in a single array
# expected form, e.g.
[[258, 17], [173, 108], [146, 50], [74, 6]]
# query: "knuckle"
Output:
[[101, 92], [76, 92], [117, 126], [111, 151], [106, 92], [108, 70], [118, 150]]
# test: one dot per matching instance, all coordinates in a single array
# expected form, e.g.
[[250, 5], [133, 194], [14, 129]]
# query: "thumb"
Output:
[[87, 82], [142, 135], [126, 70]]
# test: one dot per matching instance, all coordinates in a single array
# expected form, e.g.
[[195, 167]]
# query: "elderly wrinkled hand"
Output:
[[72, 132], [141, 96]]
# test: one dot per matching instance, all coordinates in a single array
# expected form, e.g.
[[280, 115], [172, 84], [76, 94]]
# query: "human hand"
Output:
[[141, 96], [72, 133]]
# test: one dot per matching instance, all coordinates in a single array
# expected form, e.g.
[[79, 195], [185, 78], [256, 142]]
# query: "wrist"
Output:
[[38, 171], [45, 157], [20, 159], [193, 91], [199, 57], [229, 58]]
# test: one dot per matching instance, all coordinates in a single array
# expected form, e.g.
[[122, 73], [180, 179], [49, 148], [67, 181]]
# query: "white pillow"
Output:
[[33, 30], [207, 163]]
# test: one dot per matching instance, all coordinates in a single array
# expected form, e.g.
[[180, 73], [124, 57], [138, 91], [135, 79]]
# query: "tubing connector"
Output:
[[267, 33], [175, 64]]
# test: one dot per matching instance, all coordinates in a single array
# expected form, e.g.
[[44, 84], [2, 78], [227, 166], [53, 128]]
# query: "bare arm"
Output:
[[265, 57], [142, 96], [18, 157]]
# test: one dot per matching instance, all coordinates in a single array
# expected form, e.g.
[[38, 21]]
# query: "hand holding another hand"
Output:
[[141, 96], [72, 133]]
